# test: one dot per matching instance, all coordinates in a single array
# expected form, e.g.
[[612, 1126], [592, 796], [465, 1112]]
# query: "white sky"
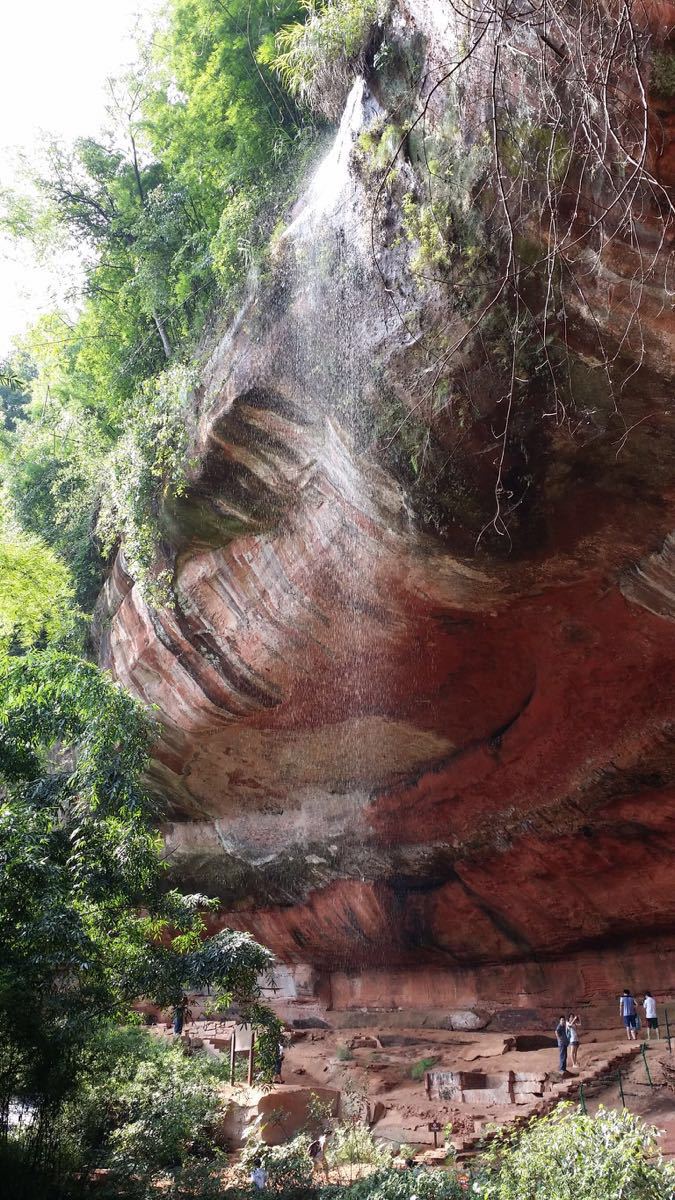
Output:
[[56, 57]]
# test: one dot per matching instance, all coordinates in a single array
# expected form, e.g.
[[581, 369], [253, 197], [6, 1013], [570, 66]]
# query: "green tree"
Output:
[[36, 595], [86, 921], [167, 210]]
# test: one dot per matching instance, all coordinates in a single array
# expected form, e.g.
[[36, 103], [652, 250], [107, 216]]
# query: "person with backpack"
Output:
[[628, 1010]]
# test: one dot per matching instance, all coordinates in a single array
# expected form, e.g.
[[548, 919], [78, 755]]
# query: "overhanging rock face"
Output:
[[394, 736]]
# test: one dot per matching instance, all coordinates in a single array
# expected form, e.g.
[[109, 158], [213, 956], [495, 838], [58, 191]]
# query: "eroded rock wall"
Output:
[[400, 732]]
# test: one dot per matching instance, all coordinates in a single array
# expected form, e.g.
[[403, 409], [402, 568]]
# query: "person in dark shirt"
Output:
[[181, 1013], [563, 1040]]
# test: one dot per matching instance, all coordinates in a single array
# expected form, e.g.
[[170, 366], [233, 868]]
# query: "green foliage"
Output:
[[144, 1105], [343, 1054], [377, 147], [531, 147], [402, 1185], [51, 463], [14, 396], [36, 595], [148, 466], [142, 1113], [572, 1156], [663, 73], [318, 58], [269, 1033], [430, 225], [288, 1166], [444, 221], [86, 922], [168, 208], [419, 1069], [352, 1142]]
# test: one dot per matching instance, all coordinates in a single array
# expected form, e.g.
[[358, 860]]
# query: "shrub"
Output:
[[353, 1142], [148, 465], [318, 60], [147, 1106], [419, 1069], [572, 1156], [52, 479], [231, 246], [402, 1185], [343, 1054], [288, 1167]]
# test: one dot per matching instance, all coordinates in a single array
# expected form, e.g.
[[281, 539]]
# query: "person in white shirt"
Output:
[[259, 1176], [317, 1153], [649, 1005]]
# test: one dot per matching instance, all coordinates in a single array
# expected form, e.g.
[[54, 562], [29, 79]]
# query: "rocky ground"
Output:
[[400, 1080]]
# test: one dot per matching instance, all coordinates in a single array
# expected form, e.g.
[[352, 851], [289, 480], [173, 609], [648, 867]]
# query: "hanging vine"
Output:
[[557, 94]]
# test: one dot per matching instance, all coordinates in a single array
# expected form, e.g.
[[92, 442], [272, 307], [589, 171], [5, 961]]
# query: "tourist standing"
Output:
[[317, 1153], [258, 1175], [573, 1022], [181, 1013], [649, 1005], [628, 1010], [562, 1038]]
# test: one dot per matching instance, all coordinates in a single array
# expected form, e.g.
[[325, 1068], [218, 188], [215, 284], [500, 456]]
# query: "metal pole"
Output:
[[643, 1049], [623, 1098], [670, 1048], [582, 1099], [232, 1053]]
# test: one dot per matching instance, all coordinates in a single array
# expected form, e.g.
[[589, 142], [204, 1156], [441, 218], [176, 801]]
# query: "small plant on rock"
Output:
[[344, 1054], [318, 59], [419, 1069], [353, 1142]]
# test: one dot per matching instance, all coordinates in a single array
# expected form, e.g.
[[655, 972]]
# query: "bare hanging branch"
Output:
[[568, 118]]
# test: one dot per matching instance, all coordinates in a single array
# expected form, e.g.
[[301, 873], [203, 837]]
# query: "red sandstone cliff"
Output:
[[395, 734]]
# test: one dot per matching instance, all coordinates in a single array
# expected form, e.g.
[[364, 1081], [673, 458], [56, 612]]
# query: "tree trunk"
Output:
[[166, 345]]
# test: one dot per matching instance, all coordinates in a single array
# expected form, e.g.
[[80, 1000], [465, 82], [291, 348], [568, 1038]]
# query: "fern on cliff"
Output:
[[318, 59]]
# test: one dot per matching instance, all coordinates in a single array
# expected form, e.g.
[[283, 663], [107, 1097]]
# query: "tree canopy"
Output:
[[166, 209], [87, 921]]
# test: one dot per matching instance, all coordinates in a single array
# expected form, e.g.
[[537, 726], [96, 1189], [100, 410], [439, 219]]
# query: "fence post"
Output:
[[643, 1050], [670, 1048], [582, 1099], [623, 1098]]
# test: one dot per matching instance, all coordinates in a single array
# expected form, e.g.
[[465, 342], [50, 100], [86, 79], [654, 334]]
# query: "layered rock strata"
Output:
[[415, 684]]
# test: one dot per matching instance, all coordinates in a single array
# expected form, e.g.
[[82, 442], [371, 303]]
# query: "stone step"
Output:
[[466, 1148]]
